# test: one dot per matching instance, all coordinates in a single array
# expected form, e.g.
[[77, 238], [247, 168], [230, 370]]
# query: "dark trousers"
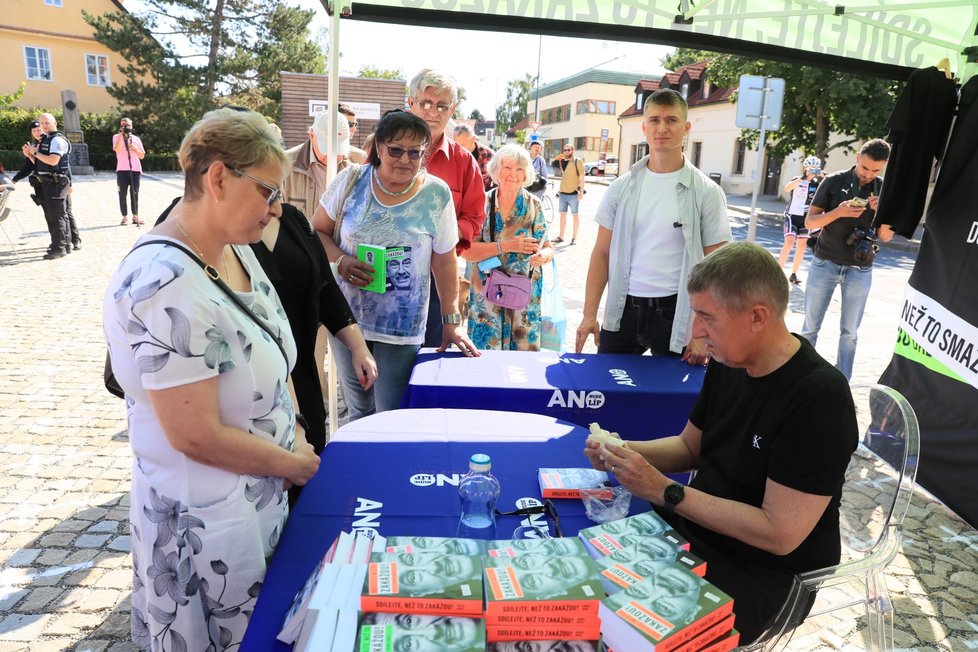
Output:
[[646, 325], [128, 183], [72, 225], [56, 214], [433, 331]]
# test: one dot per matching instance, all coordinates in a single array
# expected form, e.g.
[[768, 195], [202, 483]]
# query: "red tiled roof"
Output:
[[647, 85], [519, 126]]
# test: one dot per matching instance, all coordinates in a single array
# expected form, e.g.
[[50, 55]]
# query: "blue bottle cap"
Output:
[[480, 462]]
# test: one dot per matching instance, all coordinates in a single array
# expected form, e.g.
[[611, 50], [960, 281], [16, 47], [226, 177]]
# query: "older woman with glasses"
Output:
[[211, 418], [514, 240], [392, 210]]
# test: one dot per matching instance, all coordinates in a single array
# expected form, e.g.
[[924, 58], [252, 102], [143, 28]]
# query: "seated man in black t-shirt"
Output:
[[770, 436]]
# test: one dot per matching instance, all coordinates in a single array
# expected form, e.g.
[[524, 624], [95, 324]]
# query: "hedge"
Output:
[[98, 128]]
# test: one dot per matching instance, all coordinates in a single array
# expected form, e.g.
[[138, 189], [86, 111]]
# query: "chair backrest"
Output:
[[881, 474]]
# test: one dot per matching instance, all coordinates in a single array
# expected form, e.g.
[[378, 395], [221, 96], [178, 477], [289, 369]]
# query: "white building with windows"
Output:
[[48, 46]]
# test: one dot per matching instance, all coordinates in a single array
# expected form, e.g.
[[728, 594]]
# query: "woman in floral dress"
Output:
[[211, 419], [520, 245]]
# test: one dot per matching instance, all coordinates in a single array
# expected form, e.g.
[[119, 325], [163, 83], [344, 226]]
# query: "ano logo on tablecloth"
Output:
[[438, 479], [580, 399]]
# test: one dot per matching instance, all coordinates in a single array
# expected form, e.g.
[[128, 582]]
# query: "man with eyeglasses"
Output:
[[357, 155], [433, 98], [571, 191]]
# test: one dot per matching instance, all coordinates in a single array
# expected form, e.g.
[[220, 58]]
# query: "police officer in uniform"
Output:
[[51, 167]]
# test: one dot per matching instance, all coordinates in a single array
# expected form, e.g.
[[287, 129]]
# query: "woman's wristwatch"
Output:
[[453, 319]]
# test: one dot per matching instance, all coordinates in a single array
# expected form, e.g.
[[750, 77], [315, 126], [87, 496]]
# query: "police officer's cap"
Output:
[[35, 125]]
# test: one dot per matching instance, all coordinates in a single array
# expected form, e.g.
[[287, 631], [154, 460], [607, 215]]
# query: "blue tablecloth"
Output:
[[640, 397], [407, 485]]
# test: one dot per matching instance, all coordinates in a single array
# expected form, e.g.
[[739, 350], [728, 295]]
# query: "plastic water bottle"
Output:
[[479, 491]]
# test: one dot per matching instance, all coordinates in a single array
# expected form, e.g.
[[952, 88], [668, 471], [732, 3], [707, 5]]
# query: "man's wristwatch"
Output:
[[672, 496], [455, 319]]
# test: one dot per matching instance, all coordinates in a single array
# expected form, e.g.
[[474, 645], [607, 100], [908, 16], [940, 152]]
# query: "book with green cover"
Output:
[[634, 563], [394, 632], [602, 540], [549, 546], [376, 257], [663, 612], [423, 583], [536, 584], [444, 545]]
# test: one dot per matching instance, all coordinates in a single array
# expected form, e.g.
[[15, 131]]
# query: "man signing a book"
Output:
[[770, 437]]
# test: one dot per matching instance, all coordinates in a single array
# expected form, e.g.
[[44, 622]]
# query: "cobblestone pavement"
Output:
[[64, 538]]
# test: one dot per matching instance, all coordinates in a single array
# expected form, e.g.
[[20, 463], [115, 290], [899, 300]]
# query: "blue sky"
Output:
[[483, 66]]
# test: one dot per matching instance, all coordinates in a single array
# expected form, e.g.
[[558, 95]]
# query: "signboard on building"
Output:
[[364, 110]]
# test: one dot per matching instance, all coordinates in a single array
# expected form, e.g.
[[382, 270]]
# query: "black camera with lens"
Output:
[[865, 243], [125, 128]]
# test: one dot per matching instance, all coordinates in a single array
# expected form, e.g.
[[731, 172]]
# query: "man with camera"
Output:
[[129, 151], [844, 208], [50, 157]]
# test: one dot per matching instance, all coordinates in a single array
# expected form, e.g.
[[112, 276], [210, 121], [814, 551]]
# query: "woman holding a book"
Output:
[[391, 208], [513, 241]]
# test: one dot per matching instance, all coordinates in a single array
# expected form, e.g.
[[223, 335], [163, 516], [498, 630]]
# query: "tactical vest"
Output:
[[45, 148]]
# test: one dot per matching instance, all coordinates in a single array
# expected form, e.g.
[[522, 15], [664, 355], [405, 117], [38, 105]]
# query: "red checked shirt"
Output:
[[456, 167]]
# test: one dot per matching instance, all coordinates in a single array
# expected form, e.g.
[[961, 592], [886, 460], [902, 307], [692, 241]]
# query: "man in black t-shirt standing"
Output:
[[770, 435], [844, 208]]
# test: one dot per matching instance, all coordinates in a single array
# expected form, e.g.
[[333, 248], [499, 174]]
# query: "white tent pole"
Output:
[[332, 104]]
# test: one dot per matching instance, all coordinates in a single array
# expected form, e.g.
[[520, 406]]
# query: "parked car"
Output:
[[607, 166]]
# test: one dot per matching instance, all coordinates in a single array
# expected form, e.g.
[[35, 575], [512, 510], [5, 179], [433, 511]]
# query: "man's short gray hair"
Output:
[[431, 78], [463, 128], [739, 275]]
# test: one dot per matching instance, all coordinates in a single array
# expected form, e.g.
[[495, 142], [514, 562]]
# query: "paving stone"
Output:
[[22, 627], [57, 540], [122, 544], [53, 644], [38, 599], [88, 577], [92, 646], [53, 557], [127, 646], [23, 557], [91, 540], [104, 526], [10, 597], [72, 623], [115, 626], [89, 600]]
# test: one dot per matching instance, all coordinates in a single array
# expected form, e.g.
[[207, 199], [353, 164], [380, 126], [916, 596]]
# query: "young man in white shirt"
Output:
[[656, 222]]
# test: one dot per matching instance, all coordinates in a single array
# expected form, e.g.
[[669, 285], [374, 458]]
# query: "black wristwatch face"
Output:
[[674, 495]]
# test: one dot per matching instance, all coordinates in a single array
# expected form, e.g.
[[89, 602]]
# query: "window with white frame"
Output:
[[38, 62], [54, 3], [97, 69]]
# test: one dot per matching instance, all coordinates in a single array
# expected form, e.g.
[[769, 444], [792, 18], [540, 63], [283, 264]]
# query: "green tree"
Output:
[[7, 99], [476, 115], [514, 108], [372, 72], [818, 101], [185, 57]]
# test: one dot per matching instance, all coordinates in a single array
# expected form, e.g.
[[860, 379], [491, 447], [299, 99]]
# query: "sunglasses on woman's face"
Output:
[[397, 152]]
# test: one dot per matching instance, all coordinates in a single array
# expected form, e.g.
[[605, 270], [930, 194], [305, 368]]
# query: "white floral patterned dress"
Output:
[[201, 536]]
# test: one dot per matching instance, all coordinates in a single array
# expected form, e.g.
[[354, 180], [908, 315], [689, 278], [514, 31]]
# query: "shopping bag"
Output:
[[552, 308]]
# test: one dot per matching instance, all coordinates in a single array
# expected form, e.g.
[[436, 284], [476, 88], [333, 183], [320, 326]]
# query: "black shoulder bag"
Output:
[[112, 385]]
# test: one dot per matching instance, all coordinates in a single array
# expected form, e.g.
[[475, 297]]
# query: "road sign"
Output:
[[534, 137], [759, 102], [604, 135], [535, 126]]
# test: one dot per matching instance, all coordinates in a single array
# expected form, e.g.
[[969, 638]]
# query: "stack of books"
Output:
[[324, 613], [673, 610], [548, 546], [538, 596], [607, 538], [424, 593]]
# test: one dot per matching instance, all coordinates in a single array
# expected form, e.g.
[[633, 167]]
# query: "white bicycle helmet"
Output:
[[812, 162]]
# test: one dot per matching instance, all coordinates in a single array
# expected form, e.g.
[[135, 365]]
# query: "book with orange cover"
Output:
[[602, 540], [524, 589], [714, 633], [723, 644], [498, 633], [663, 612], [569, 645], [567, 483], [423, 583]]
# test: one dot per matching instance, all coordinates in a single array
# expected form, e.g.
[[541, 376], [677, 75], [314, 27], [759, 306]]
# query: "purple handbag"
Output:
[[507, 291]]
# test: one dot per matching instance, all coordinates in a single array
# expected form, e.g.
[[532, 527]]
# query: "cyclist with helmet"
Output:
[[802, 191]]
